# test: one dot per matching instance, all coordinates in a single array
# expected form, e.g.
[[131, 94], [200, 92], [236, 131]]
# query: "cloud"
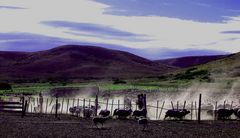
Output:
[[29, 42], [231, 32], [11, 7], [141, 24], [197, 10], [96, 30]]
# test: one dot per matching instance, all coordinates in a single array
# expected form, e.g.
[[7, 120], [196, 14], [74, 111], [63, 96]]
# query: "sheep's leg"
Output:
[[144, 126]]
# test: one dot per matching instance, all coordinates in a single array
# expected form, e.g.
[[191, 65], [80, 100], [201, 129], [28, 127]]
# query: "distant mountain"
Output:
[[72, 62], [185, 62]]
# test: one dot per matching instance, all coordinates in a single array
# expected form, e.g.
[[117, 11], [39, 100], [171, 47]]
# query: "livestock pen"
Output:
[[155, 109]]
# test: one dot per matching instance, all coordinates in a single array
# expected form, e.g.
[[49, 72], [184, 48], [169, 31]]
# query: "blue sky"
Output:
[[150, 28]]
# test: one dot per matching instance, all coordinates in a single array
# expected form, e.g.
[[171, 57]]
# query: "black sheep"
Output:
[[236, 112], [121, 113], [104, 113], [138, 113], [180, 114], [224, 113], [99, 120], [143, 121]]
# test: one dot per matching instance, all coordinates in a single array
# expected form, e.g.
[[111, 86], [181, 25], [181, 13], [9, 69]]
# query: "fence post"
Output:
[[23, 106], [157, 110], [67, 106], [191, 109], [107, 105], [62, 105], [46, 106], [161, 110], [89, 103], [83, 107], [96, 105], [177, 105], [78, 102], [199, 108], [118, 103], [112, 106], [215, 112], [73, 102], [224, 104], [172, 105], [196, 110], [184, 104], [231, 104], [56, 112]]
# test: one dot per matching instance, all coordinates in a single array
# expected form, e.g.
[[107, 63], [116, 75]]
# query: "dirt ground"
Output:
[[33, 126]]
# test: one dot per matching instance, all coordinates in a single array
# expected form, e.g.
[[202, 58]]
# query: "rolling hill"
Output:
[[185, 62], [72, 62]]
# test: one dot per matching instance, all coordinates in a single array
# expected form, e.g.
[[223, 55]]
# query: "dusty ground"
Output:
[[33, 126]]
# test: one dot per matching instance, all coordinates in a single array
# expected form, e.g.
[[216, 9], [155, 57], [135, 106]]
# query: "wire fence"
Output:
[[156, 110]]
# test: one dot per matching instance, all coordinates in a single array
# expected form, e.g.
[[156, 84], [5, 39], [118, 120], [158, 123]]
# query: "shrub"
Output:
[[5, 86], [117, 81]]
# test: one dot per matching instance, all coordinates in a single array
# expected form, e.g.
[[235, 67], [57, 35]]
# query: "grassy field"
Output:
[[143, 84]]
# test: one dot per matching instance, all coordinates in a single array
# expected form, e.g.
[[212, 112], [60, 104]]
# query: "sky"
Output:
[[150, 28]]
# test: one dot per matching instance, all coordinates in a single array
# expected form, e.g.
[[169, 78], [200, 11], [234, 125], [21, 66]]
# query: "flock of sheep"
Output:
[[104, 115]]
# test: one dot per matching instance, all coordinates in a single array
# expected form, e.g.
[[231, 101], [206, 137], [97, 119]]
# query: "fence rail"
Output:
[[156, 111]]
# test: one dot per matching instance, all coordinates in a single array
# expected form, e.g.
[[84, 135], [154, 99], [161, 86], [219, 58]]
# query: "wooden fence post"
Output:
[[107, 105], [56, 111], [67, 106], [191, 110], [177, 105], [215, 111], [89, 103], [78, 102], [73, 102], [157, 110], [62, 105], [112, 107], [46, 106], [231, 104], [161, 110], [172, 105], [96, 105], [118, 103], [83, 107], [199, 108], [224, 104], [23, 106], [184, 104], [196, 110]]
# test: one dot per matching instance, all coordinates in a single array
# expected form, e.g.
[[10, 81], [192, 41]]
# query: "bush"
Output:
[[192, 74], [5, 86], [117, 81]]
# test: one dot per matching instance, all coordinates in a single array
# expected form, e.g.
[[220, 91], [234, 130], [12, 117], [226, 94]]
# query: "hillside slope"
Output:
[[185, 62], [76, 62]]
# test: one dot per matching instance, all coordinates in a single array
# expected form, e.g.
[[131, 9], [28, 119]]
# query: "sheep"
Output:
[[88, 112], [121, 113], [236, 112], [75, 110], [99, 120], [177, 113], [143, 121], [224, 113], [104, 113], [138, 113]]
